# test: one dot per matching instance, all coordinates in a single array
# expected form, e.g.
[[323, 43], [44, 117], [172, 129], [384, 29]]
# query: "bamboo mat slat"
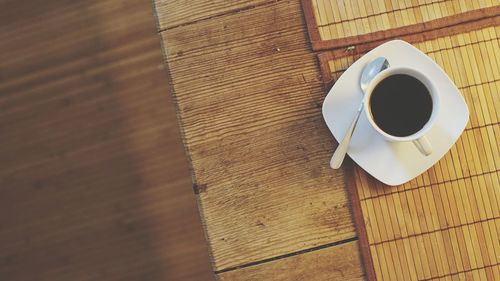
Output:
[[444, 224], [334, 24]]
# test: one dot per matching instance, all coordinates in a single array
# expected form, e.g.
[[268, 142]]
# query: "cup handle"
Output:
[[423, 145]]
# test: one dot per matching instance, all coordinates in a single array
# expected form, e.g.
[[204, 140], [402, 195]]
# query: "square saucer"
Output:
[[389, 162]]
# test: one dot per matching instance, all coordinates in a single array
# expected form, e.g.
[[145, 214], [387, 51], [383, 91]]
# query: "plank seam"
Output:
[[321, 247]]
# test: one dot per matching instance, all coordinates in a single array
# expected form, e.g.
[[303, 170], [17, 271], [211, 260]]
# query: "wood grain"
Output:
[[341, 262], [172, 14], [93, 178], [249, 95], [445, 223]]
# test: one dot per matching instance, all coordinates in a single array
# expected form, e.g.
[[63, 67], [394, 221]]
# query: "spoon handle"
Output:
[[341, 151]]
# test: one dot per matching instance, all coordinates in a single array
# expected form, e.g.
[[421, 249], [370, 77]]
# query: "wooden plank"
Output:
[[171, 14], [341, 262], [94, 182], [249, 96]]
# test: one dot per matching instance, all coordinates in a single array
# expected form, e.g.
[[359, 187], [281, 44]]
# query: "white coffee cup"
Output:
[[418, 138]]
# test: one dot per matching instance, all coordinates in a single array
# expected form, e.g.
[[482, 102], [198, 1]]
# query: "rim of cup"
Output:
[[411, 72]]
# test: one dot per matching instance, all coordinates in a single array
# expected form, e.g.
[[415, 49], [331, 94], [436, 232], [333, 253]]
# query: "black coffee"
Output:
[[401, 105]]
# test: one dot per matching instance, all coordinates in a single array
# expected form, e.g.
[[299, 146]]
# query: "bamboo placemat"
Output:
[[445, 224], [332, 24]]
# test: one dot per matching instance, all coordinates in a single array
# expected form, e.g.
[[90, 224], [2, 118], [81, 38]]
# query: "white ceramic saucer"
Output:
[[394, 163]]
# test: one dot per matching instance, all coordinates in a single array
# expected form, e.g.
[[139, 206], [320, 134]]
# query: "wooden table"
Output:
[[248, 92], [93, 177]]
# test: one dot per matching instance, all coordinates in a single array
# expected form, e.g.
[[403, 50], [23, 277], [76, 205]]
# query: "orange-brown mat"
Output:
[[445, 224], [333, 24]]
